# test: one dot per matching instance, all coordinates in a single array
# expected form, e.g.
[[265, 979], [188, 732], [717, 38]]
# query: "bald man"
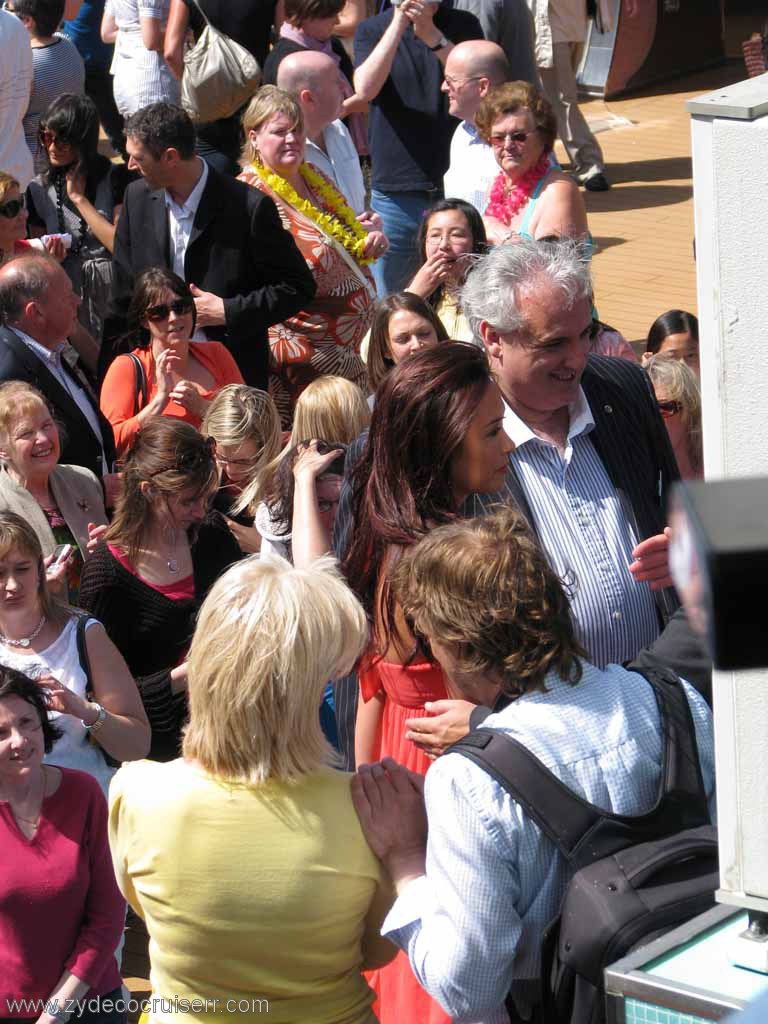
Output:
[[472, 69], [314, 80]]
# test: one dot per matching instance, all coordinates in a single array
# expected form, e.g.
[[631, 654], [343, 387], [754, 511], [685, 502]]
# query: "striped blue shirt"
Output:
[[587, 529], [472, 925]]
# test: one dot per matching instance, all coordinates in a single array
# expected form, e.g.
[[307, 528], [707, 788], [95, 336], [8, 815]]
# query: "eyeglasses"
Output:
[[669, 408], [13, 207], [499, 138], [162, 311], [251, 463], [48, 138], [456, 83]]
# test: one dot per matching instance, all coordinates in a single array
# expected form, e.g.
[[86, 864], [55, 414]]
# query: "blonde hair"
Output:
[[7, 182], [239, 414], [267, 102], [332, 408], [681, 385], [17, 399], [17, 534], [268, 639]]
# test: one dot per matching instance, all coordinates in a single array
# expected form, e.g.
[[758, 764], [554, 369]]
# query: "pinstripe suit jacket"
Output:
[[633, 444]]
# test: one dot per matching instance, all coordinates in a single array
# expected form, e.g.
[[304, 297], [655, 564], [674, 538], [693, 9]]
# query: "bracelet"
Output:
[[101, 718], [441, 44]]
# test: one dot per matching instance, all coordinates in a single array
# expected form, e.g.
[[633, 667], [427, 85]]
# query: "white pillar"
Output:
[[730, 176]]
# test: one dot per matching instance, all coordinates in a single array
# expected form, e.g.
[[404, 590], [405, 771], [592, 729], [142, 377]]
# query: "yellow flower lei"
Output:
[[342, 224]]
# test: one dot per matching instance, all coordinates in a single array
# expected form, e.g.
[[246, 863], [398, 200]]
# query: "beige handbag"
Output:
[[219, 76]]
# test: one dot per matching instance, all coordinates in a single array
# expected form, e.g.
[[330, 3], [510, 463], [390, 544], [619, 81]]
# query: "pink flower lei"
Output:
[[506, 200]]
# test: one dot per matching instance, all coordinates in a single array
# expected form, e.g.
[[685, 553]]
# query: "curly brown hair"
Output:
[[485, 587], [508, 99]]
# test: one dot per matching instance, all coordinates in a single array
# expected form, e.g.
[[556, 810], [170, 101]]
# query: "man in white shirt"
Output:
[[472, 69], [15, 90], [312, 78], [561, 31]]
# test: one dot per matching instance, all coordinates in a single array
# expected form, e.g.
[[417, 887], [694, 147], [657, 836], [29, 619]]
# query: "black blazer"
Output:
[[238, 250], [79, 444]]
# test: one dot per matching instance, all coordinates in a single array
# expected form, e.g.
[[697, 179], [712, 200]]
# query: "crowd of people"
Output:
[[314, 458]]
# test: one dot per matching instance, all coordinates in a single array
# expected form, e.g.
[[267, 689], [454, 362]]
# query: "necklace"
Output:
[[340, 222], [25, 641], [506, 200], [59, 185]]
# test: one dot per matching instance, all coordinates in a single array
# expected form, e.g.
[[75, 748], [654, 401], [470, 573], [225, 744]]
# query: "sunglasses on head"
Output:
[[669, 408], [192, 459], [12, 208], [162, 311]]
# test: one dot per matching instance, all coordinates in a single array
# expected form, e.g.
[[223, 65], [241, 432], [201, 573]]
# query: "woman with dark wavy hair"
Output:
[[436, 437], [80, 193]]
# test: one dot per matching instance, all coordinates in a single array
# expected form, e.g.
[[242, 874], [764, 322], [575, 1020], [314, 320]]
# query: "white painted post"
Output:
[[730, 175]]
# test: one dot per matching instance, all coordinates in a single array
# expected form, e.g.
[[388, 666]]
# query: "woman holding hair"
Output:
[[91, 695], [325, 338], [436, 437], [62, 912], [151, 570], [168, 374], [450, 234], [529, 197], [674, 334], [60, 503], [278, 819], [403, 323], [678, 397], [79, 193], [245, 426]]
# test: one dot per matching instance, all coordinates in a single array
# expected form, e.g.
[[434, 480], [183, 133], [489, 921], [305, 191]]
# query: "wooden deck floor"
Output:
[[643, 227]]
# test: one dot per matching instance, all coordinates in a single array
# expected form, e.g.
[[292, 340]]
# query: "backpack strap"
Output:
[[566, 818], [140, 383]]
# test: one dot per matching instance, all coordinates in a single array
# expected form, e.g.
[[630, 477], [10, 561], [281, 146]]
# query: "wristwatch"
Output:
[[100, 719], [61, 1016], [440, 44]]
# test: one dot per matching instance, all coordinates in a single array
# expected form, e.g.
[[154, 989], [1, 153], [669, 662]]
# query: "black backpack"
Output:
[[635, 877]]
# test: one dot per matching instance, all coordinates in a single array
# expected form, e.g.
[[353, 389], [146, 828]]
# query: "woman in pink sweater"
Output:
[[62, 913]]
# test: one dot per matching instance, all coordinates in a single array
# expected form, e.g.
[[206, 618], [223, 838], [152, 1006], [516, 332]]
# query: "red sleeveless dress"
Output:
[[399, 997]]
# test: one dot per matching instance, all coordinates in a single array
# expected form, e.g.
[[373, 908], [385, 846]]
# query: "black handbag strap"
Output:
[[140, 384], [82, 653], [583, 832]]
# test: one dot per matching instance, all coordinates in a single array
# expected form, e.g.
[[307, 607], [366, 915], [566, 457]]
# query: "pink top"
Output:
[[179, 590], [61, 908]]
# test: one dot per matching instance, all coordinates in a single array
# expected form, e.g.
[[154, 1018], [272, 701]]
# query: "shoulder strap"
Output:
[[203, 14], [140, 384], [82, 653], [531, 205], [566, 818]]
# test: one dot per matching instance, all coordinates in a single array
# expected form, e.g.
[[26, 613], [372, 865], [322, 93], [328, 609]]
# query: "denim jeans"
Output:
[[401, 213]]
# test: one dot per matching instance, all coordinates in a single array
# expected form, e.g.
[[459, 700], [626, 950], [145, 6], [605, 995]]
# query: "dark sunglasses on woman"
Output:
[[164, 309], [13, 207], [669, 408]]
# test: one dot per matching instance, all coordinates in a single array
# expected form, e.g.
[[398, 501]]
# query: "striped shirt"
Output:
[[587, 529], [58, 69]]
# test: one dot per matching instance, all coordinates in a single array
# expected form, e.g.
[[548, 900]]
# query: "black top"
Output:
[[285, 46], [152, 631], [409, 127], [248, 22]]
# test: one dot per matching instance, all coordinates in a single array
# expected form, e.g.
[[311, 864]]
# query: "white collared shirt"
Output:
[[51, 359], [181, 219], [588, 530], [472, 169], [340, 162]]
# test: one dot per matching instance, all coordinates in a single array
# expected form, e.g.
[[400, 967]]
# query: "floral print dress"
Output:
[[325, 338]]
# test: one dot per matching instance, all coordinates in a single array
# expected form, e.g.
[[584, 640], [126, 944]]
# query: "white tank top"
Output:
[[60, 660]]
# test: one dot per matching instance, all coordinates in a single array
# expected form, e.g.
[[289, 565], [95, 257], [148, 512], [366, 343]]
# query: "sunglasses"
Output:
[[669, 408], [162, 311], [12, 208], [499, 138], [48, 138]]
